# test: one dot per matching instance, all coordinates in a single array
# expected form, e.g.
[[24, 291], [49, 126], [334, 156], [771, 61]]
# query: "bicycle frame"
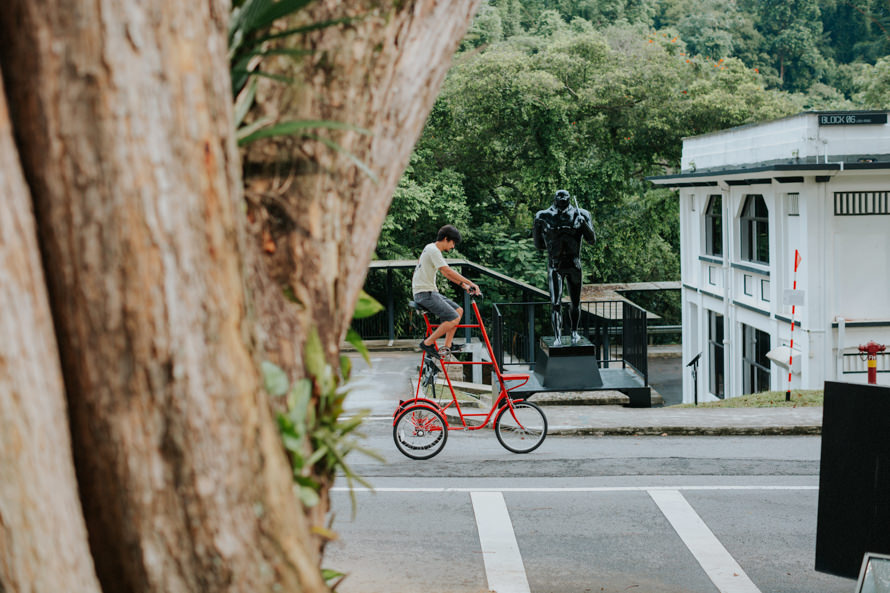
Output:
[[500, 402]]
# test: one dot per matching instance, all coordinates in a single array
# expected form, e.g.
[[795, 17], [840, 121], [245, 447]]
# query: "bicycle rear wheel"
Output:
[[420, 432], [521, 430]]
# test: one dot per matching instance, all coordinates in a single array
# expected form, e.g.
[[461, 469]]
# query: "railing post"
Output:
[[390, 308], [531, 335], [496, 339]]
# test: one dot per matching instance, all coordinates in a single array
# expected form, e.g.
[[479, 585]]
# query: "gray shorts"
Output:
[[440, 306]]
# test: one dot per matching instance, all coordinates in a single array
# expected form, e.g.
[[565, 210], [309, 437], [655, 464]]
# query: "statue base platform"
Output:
[[567, 365]]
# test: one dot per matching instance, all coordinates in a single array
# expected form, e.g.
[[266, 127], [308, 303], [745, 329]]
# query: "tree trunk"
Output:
[[381, 72], [122, 114], [43, 538]]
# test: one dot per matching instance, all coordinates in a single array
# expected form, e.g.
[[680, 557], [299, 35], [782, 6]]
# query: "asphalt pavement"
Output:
[[379, 387]]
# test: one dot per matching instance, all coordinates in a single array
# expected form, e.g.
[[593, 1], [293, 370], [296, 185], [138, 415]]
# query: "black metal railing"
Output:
[[616, 328]]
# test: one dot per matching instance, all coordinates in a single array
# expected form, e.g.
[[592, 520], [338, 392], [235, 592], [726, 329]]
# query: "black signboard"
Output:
[[851, 119]]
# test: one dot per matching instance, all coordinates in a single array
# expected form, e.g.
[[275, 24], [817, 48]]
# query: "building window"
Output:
[[755, 364], [714, 226], [764, 290], [853, 203], [712, 275], [793, 204], [749, 285], [715, 354], [755, 230]]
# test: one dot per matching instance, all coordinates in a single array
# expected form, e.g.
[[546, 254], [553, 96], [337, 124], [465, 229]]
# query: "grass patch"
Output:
[[767, 399]]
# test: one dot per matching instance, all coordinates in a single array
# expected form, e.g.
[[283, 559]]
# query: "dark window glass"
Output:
[[755, 364], [755, 230], [715, 354], [714, 226]]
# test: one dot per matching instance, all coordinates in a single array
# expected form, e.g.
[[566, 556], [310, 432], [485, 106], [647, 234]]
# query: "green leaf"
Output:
[[366, 306], [292, 443], [243, 102], [355, 339], [247, 130], [307, 28], [308, 496], [336, 147], [299, 404], [274, 379], [288, 128], [328, 575], [277, 10], [313, 355], [345, 366]]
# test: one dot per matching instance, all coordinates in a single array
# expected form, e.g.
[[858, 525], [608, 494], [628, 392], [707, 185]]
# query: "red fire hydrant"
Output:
[[872, 350]]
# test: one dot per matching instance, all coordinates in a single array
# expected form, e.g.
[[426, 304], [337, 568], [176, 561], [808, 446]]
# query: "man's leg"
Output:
[[555, 281], [573, 279], [446, 328], [449, 335], [445, 309]]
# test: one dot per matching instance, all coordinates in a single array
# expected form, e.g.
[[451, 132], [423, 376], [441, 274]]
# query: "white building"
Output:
[[815, 183]]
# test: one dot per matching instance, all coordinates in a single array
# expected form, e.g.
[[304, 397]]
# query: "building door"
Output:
[[716, 376], [755, 364]]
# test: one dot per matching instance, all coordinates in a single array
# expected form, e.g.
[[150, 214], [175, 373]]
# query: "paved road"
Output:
[[666, 377], [608, 514], [582, 513]]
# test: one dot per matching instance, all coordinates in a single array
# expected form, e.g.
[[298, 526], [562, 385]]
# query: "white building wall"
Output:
[[798, 138], [845, 260]]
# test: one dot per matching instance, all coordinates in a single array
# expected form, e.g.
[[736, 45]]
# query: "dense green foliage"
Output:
[[595, 95]]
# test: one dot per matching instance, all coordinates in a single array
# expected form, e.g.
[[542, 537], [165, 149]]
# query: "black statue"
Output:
[[559, 229]]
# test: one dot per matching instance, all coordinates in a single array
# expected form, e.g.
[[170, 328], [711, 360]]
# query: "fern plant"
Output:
[[313, 417], [250, 41]]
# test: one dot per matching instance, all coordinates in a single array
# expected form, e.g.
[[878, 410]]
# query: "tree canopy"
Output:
[[594, 96]]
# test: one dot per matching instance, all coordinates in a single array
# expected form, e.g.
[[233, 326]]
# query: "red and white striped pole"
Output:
[[791, 348]]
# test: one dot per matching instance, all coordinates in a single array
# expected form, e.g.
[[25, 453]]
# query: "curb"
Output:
[[802, 430]]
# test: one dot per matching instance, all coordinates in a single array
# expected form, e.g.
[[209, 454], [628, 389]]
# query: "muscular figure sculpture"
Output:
[[559, 229]]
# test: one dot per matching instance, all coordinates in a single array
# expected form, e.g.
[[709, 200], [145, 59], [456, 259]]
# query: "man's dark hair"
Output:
[[450, 233]]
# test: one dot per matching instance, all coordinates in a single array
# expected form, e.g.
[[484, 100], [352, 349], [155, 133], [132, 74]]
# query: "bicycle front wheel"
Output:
[[420, 432], [522, 428]]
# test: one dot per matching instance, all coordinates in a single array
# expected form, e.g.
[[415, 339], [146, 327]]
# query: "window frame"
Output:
[[754, 230], [713, 220]]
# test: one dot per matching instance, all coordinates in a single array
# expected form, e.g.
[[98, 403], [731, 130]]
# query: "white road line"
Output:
[[570, 489], [503, 563], [717, 563]]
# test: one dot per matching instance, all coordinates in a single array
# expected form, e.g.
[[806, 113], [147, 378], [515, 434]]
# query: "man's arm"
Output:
[[464, 283], [538, 232], [587, 226]]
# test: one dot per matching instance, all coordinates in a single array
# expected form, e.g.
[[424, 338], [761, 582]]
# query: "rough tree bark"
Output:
[[381, 72], [122, 117], [43, 539], [122, 122]]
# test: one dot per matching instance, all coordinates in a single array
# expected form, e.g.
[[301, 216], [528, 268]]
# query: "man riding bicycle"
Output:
[[426, 292]]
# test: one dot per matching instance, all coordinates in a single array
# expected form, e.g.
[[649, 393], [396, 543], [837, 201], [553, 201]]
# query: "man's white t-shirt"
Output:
[[428, 265]]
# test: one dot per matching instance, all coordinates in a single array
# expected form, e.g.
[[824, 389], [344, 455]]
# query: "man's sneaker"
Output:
[[430, 349]]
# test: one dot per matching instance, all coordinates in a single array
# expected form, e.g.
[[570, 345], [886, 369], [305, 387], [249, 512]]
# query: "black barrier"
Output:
[[854, 478]]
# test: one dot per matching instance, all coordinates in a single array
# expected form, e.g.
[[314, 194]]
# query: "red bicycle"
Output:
[[420, 425]]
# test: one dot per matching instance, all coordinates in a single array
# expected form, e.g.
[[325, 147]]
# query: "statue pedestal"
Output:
[[565, 365]]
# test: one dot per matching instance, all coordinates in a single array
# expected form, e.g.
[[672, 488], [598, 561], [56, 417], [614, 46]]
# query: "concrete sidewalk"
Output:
[[618, 420], [389, 379]]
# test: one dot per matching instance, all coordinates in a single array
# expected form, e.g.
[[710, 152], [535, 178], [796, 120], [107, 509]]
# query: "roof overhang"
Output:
[[762, 174]]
